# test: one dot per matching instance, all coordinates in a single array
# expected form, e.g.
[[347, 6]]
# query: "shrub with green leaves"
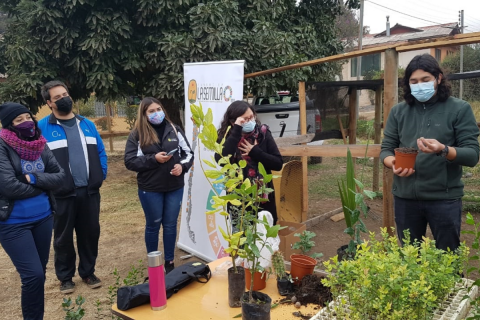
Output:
[[73, 313], [305, 244], [390, 282], [473, 264]]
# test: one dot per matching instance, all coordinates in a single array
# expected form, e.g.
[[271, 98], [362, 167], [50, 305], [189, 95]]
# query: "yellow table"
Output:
[[210, 301]]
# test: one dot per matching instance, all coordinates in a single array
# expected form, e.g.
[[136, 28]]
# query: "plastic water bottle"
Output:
[[156, 274]]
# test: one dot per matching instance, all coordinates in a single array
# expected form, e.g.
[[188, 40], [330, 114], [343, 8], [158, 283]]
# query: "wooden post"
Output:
[[390, 99], [352, 125], [109, 125], [352, 117], [377, 125], [303, 130]]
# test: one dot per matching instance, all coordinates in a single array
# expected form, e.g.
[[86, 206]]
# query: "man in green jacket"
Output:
[[445, 132]]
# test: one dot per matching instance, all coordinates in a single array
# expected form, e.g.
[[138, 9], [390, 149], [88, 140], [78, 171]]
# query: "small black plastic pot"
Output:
[[236, 286], [259, 310], [284, 286], [343, 253]]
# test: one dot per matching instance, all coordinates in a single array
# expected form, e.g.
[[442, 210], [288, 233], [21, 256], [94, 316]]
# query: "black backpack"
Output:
[[129, 297]]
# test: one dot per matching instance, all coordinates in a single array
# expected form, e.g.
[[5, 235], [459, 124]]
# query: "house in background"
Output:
[[396, 34]]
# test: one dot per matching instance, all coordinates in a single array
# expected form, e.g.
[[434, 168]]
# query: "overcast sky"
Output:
[[434, 11]]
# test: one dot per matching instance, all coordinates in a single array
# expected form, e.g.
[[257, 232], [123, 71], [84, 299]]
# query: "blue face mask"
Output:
[[156, 117], [249, 126], [423, 91]]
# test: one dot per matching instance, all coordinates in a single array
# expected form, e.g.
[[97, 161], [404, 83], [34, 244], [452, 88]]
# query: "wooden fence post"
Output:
[[390, 99], [378, 136], [303, 130]]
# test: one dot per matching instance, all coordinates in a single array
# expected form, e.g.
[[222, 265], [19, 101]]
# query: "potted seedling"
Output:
[[246, 194], [303, 264], [353, 205], [284, 280], [256, 305], [405, 157], [230, 176]]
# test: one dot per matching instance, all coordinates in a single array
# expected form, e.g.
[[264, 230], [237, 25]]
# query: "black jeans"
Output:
[[28, 245], [443, 216], [79, 213]]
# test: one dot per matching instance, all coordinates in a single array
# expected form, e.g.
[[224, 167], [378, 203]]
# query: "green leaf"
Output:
[[370, 194], [242, 164], [213, 174], [272, 232]]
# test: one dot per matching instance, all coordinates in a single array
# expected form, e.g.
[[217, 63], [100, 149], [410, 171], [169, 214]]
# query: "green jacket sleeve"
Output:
[[391, 138], [466, 137]]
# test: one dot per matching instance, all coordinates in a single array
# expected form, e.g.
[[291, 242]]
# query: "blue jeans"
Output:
[[161, 208], [28, 245], [443, 216]]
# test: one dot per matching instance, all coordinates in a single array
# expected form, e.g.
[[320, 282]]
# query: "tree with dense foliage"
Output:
[[471, 62], [124, 47]]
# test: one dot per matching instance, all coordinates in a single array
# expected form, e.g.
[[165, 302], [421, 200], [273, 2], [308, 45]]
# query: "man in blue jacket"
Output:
[[78, 148]]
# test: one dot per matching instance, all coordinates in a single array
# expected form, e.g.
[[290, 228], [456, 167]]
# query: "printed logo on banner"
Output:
[[192, 91], [209, 92]]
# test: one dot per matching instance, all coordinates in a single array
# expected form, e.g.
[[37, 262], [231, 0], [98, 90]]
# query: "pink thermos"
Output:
[[156, 275]]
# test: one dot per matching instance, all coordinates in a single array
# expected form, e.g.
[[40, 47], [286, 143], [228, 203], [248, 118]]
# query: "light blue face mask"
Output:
[[249, 126], [423, 91]]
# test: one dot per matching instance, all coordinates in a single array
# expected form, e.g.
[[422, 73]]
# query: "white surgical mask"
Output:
[[249, 126], [423, 91]]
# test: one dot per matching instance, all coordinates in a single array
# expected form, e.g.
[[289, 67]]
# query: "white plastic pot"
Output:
[[455, 308]]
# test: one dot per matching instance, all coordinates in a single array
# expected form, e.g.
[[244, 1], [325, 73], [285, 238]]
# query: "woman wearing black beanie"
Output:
[[28, 174]]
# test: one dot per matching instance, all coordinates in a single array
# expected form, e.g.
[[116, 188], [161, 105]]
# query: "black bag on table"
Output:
[[129, 297]]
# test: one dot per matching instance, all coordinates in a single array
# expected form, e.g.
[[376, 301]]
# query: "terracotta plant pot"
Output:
[[259, 280], [301, 265], [236, 285], [405, 158]]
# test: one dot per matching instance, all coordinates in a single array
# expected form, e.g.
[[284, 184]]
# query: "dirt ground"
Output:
[[122, 243]]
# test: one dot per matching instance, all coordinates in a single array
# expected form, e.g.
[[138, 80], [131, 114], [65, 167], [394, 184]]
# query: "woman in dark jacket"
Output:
[[159, 152], [250, 141], [28, 175]]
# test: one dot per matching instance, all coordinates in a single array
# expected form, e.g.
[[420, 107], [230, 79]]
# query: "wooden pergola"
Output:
[[390, 98]]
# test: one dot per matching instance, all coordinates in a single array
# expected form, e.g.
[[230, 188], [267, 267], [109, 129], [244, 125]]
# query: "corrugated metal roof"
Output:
[[436, 31]]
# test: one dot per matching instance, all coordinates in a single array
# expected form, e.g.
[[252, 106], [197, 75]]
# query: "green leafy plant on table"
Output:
[[353, 205], [390, 282], [305, 244], [242, 192]]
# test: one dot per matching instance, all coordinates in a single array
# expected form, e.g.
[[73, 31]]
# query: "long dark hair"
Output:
[[428, 64], [37, 135], [234, 110], [146, 133]]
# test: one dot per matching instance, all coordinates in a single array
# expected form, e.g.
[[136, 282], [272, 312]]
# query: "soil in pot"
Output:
[[236, 286], [259, 310], [405, 157], [284, 286], [310, 291]]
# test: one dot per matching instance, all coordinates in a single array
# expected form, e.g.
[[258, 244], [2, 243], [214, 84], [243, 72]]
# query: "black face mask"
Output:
[[64, 105]]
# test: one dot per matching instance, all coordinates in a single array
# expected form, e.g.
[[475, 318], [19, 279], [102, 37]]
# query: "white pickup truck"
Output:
[[282, 114]]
